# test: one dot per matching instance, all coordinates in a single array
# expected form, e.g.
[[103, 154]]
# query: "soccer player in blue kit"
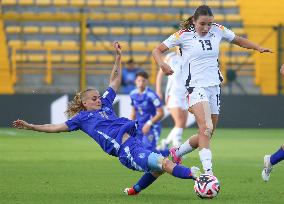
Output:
[[147, 109], [117, 136]]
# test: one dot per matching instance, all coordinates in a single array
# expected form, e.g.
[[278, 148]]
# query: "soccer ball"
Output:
[[206, 186]]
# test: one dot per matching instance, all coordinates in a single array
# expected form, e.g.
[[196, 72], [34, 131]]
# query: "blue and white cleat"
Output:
[[267, 168]]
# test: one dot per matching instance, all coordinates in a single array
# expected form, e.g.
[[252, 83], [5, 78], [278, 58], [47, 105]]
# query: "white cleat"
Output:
[[267, 168], [195, 172]]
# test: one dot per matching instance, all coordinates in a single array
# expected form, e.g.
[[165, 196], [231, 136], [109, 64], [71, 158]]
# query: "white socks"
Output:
[[175, 136], [206, 160], [184, 149]]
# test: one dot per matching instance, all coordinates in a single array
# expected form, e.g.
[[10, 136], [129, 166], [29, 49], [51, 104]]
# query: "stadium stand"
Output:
[[34, 28]]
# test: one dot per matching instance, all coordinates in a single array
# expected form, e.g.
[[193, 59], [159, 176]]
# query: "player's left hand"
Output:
[[117, 47], [262, 49], [21, 124], [146, 128]]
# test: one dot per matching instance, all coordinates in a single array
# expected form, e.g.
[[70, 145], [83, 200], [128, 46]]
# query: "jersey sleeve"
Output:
[[173, 40], [227, 34], [155, 99], [108, 97], [73, 123]]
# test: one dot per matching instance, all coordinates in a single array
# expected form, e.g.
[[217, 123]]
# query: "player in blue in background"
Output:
[[276, 157], [94, 115], [147, 109]]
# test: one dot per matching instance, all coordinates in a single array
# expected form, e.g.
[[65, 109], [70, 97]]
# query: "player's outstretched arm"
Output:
[[115, 77], [157, 54], [50, 128], [245, 43]]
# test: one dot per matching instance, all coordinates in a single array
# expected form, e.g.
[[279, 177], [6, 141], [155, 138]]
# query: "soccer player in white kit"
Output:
[[175, 98], [199, 40]]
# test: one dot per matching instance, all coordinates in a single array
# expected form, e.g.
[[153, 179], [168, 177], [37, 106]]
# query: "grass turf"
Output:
[[71, 168]]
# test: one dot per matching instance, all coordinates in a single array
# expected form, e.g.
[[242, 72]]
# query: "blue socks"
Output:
[[277, 156], [146, 180], [182, 172]]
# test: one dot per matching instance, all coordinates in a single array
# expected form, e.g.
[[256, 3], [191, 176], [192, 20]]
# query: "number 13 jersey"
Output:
[[200, 54]]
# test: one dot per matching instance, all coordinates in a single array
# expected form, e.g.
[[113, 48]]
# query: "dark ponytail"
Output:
[[202, 10]]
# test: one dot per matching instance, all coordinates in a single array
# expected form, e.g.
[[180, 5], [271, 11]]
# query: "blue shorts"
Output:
[[134, 155], [151, 138]]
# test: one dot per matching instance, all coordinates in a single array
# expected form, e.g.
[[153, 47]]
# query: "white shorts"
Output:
[[175, 101], [210, 94]]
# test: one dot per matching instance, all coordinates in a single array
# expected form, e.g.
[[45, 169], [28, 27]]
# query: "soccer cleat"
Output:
[[130, 191], [267, 168], [195, 172], [175, 158]]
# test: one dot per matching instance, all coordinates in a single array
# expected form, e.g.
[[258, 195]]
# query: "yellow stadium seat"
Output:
[[213, 4], [100, 30], [71, 58], [152, 44], [179, 4], [33, 44], [145, 3], [13, 29], [151, 31], [165, 3], [114, 16], [25, 2], [66, 30], [60, 2], [169, 17], [77, 3], [94, 3], [9, 2], [239, 31], [167, 30], [105, 58], [91, 58], [90, 45], [131, 16], [71, 44], [138, 45], [103, 45], [48, 29], [97, 16], [219, 17], [56, 58], [135, 30], [148, 17], [111, 3], [117, 30], [51, 43], [31, 29], [15, 43], [233, 17], [128, 3], [21, 57], [43, 2], [229, 4]]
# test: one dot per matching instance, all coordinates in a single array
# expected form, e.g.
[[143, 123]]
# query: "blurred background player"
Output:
[[276, 157], [128, 76], [147, 109], [94, 115], [175, 98], [199, 40]]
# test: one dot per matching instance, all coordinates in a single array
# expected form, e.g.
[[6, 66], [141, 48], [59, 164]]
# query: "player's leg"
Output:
[[270, 161]]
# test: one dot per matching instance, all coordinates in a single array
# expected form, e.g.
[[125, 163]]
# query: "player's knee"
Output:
[[155, 162], [166, 164]]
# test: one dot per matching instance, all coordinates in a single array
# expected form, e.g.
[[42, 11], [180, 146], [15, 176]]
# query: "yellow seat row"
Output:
[[99, 30], [124, 3]]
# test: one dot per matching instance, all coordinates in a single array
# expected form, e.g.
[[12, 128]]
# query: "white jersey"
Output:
[[200, 54], [175, 87]]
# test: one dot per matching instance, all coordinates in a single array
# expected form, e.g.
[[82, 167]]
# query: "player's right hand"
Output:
[[21, 124], [166, 69]]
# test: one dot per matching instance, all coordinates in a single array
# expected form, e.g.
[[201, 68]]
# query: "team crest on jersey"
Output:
[[141, 155], [103, 114]]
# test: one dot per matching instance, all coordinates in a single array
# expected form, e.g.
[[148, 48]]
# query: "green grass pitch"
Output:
[[71, 168]]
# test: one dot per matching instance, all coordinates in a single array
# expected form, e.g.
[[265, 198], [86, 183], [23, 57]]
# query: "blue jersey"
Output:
[[145, 105], [103, 125]]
